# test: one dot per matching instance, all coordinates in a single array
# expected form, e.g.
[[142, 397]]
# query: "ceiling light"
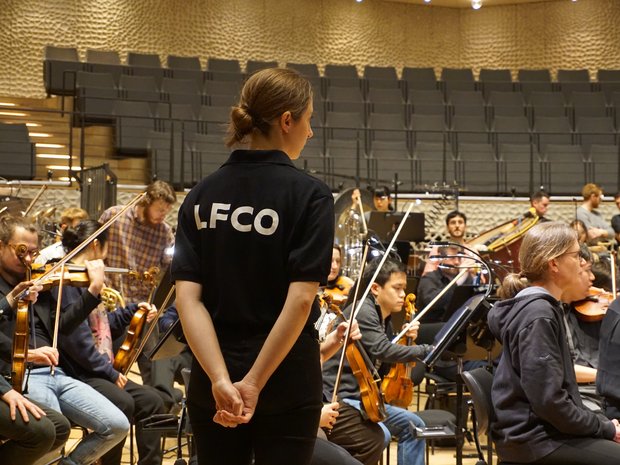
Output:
[[40, 134], [476, 4], [11, 113], [56, 156], [33, 125], [62, 167], [6, 104], [427, 1], [50, 146]]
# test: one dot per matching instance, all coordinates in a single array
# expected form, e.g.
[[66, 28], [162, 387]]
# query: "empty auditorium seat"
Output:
[[104, 61], [604, 166], [427, 102], [381, 77], [588, 104], [466, 103], [477, 169], [17, 152], [470, 129], [142, 88], [495, 80], [428, 128], [95, 99], [563, 168], [552, 130], [595, 130], [146, 64], [420, 78], [534, 80], [181, 91], [310, 70], [457, 79], [523, 171], [506, 104], [60, 65], [511, 130], [184, 67], [433, 164], [255, 65], [546, 104]]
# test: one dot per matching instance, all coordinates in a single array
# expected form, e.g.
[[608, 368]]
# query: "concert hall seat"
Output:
[[521, 161], [221, 93], [586, 104], [564, 168], [511, 130], [134, 122], [387, 157], [342, 76], [387, 101], [574, 80], [182, 67], [105, 61], [17, 153], [457, 79], [181, 91], [608, 81], [546, 104], [478, 170], [470, 129], [345, 144], [427, 102], [433, 163], [345, 100], [506, 104], [60, 65], [534, 80], [604, 164], [552, 130], [222, 65], [309, 70], [466, 103], [429, 128], [595, 130], [615, 107], [420, 78], [146, 64], [381, 77], [256, 65], [95, 98], [141, 88], [495, 80]]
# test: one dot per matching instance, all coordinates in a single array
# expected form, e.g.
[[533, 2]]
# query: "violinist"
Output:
[[69, 218], [338, 285], [540, 418], [387, 296], [32, 430], [76, 400], [248, 262], [87, 353]]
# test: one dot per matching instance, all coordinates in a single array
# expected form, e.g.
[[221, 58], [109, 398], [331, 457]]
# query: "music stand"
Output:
[[384, 224], [452, 340], [171, 344]]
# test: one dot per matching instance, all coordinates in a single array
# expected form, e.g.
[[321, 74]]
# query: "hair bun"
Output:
[[242, 122]]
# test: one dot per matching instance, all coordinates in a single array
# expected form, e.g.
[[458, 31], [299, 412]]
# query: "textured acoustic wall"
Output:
[[559, 34]]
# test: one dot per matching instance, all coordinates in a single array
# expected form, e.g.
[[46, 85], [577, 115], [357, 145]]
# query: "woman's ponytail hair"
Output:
[[265, 96]]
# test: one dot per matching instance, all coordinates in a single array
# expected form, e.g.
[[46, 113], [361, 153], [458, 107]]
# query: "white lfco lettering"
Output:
[[219, 212]]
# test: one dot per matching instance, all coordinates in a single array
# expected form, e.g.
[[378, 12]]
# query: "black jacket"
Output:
[[535, 394]]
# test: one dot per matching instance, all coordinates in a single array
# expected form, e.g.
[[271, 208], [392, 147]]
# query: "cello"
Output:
[[397, 386]]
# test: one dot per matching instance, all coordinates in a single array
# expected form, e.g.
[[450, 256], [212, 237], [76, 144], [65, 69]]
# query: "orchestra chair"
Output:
[[479, 382]]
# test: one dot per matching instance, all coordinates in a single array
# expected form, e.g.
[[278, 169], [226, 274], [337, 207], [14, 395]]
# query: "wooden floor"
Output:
[[441, 456]]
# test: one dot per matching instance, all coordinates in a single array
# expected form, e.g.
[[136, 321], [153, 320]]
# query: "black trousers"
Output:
[[328, 453], [363, 439], [136, 402], [584, 451], [29, 441], [279, 439]]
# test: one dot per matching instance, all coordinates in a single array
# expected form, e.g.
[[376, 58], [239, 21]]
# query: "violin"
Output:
[[21, 333], [397, 386], [339, 291], [594, 307], [367, 378]]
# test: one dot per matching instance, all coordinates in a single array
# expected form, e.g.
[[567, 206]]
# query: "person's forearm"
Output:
[[585, 374], [284, 333], [199, 331], [330, 346]]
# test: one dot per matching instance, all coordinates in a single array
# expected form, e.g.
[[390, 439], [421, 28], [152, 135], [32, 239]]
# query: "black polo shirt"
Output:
[[247, 231]]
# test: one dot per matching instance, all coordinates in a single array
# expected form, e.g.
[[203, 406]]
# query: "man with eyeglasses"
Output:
[[79, 402]]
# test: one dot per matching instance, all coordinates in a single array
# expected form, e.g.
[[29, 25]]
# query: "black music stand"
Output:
[[171, 344], [384, 224], [452, 342]]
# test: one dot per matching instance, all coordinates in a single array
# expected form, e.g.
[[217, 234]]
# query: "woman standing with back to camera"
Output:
[[254, 241], [540, 416]]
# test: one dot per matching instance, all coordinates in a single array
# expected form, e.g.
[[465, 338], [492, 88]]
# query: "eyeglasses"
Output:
[[582, 261], [22, 251]]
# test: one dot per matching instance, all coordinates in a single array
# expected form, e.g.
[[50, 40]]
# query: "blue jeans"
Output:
[[410, 450], [84, 406]]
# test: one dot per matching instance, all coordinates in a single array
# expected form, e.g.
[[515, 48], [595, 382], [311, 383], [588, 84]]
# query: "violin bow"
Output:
[[34, 200], [421, 313], [612, 259], [347, 334], [361, 205], [89, 239], [57, 317]]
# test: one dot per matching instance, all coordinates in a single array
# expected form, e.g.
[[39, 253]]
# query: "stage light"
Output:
[[476, 4]]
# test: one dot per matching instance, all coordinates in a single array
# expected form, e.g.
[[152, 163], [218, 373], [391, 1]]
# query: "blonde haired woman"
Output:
[[540, 416]]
